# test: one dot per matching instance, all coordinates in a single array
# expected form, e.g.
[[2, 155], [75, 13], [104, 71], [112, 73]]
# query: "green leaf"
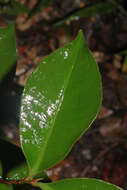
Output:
[[15, 8], [8, 53], [9, 162], [78, 184], [97, 9], [4, 1], [4, 186], [21, 172], [60, 100]]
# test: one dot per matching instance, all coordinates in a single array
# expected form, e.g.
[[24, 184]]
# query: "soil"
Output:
[[102, 151]]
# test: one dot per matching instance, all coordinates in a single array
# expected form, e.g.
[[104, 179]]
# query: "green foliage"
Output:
[[60, 101], [13, 8], [97, 9], [64, 83], [78, 184], [8, 53], [4, 186], [4, 1], [19, 172]]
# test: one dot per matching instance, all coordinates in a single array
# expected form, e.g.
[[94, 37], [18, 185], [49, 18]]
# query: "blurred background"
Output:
[[42, 27]]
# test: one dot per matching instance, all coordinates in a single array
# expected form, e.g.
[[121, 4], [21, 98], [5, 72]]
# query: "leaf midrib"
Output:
[[41, 156]]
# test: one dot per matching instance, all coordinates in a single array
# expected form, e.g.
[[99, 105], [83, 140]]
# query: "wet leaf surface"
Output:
[[64, 82], [105, 35]]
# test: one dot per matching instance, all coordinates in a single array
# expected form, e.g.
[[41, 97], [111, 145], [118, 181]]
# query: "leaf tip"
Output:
[[80, 34]]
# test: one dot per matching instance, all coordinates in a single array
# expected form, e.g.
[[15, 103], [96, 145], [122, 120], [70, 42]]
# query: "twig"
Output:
[[23, 181]]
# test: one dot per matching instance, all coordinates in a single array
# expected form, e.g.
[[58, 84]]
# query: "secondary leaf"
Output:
[[78, 184], [4, 1], [21, 172], [14, 8], [4, 186], [97, 9], [8, 53], [61, 99]]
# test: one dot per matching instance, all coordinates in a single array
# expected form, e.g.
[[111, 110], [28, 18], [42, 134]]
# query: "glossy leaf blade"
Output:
[[60, 100], [8, 53], [78, 184]]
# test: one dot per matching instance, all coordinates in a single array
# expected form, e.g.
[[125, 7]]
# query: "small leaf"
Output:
[[4, 1], [4, 186], [9, 162], [15, 8], [78, 184], [8, 53], [21, 172], [97, 9], [61, 99]]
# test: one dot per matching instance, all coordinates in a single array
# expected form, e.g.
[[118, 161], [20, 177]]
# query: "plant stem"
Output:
[[9, 182]]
